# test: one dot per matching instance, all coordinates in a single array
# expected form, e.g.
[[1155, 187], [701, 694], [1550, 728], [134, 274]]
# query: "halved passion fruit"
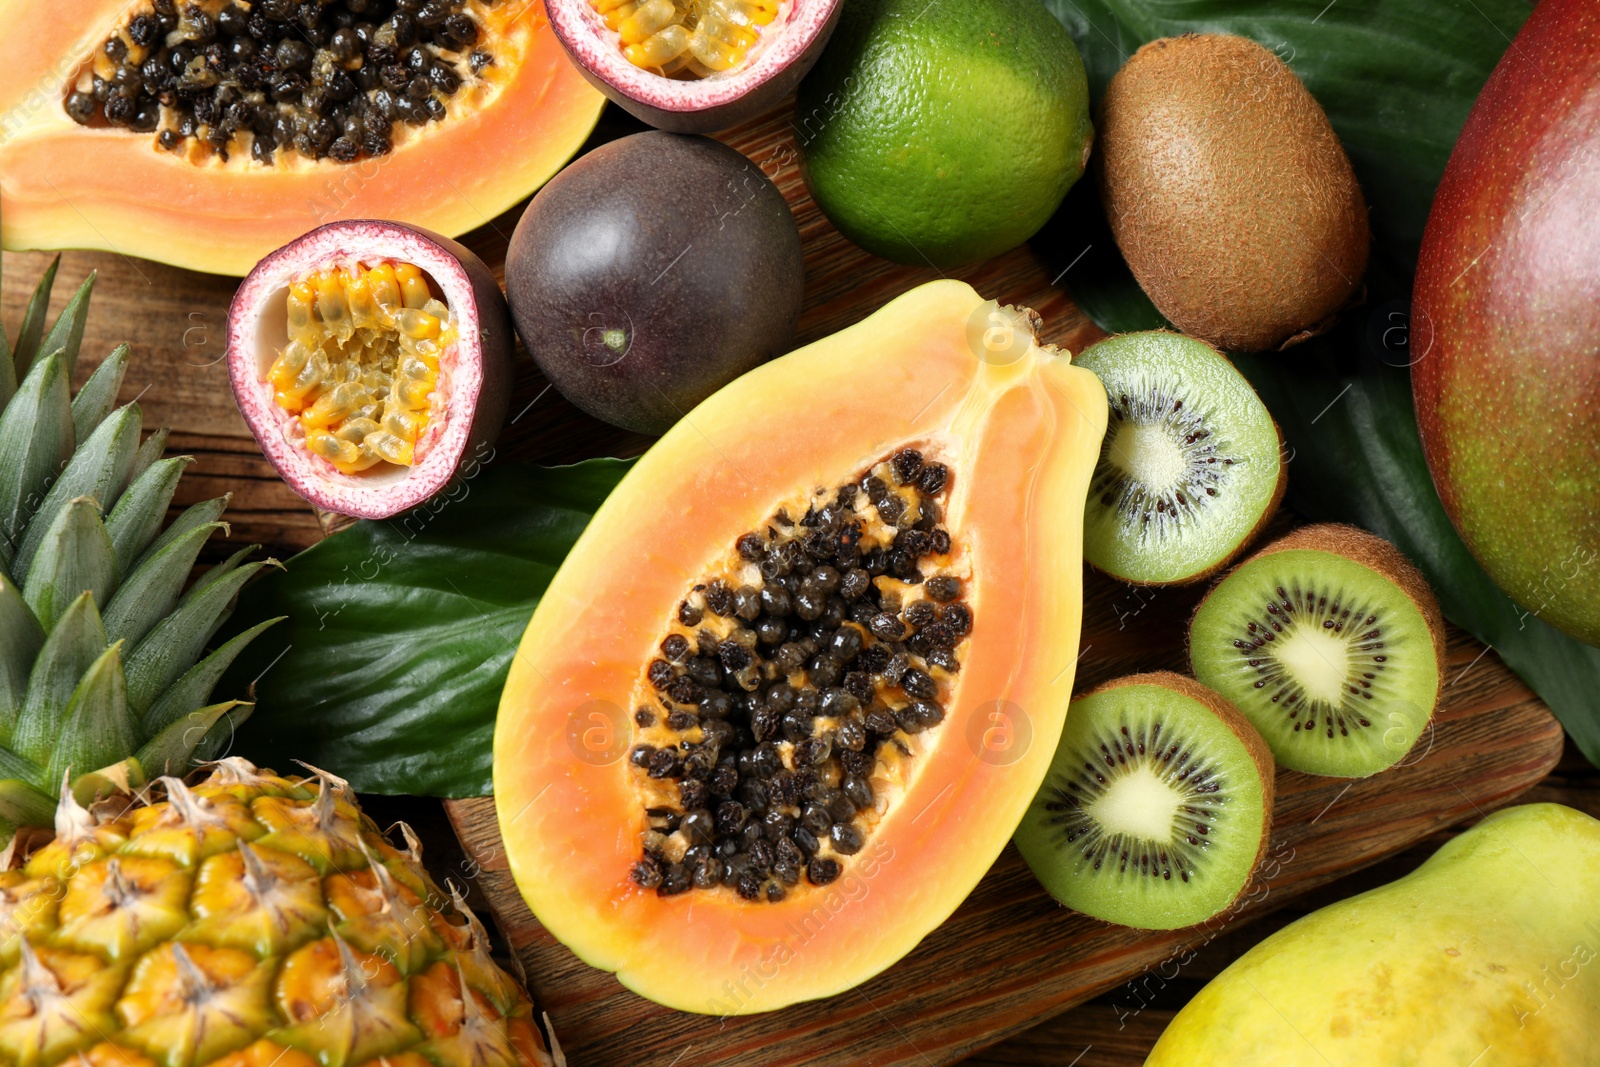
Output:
[[205, 133], [371, 360], [694, 66], [794, 687]]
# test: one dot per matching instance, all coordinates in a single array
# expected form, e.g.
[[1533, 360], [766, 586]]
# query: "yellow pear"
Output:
[[1487, 955]]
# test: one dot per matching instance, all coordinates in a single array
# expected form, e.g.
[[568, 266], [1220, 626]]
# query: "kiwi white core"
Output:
[[1138, 803], [1148, 454], [1319, 661]]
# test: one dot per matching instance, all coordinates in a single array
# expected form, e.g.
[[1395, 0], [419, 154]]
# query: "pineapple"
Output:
[[104, 680], [245, 921]]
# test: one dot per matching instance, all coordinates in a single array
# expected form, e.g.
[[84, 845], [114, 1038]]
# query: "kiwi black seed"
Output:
[[1218, 120], [814, 651], [1191, 466], [1331, 643], [1156, 807]]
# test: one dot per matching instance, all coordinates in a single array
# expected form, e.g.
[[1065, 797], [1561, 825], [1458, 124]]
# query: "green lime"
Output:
[[944, 131]]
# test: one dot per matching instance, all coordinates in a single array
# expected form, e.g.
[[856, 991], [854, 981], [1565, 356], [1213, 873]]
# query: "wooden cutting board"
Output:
[[1009, 957]]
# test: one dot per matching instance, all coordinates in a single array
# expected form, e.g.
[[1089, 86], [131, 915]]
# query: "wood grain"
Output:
[[1009, 958]]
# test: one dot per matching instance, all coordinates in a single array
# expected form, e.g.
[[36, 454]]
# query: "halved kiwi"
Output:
[[1191, 466], [1331, 642], [1157, 805]]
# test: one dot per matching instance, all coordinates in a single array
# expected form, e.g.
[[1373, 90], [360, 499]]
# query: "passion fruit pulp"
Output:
[[694, 66], [371, 360]]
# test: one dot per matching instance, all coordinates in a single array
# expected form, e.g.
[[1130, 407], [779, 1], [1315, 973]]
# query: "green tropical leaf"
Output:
[[1344, 400], [399, 633]]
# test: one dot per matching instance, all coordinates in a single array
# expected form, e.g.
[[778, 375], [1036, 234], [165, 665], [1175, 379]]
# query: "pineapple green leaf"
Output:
[[218, 741], [179, 639], [74, 644], [219, 572], [8, 371], [33, 320], [152, 589], [98, 728], [13, 766], [194, 688], [35, 440], [22, 804], [173, 749], [67, 333], [207, 511], [21, 637], [149, 453], [75, 557], [98, 470], [136, 519], [99, 394]]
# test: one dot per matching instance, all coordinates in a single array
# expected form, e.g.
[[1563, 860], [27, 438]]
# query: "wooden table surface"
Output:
[[174, 321]]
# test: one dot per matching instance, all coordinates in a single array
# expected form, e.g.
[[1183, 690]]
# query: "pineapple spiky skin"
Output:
[[245, 921], [105, 678]]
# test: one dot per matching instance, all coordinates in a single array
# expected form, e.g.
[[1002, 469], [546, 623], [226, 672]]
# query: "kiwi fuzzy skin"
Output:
[[1229, 193], [1234, 720], [1376, 554]]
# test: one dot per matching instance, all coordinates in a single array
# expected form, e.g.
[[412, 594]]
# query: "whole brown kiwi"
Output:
[[1229, 193]]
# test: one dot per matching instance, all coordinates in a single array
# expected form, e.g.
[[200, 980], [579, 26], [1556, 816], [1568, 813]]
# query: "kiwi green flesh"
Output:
[[1152, 814], [1330, 660], [1190, 464]]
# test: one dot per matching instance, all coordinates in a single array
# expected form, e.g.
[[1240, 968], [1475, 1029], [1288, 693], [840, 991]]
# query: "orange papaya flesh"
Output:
[[507, 129], [1017, 428]]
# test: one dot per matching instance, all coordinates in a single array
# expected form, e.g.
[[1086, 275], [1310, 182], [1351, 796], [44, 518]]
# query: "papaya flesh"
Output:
[[506, 128], [937, 427]]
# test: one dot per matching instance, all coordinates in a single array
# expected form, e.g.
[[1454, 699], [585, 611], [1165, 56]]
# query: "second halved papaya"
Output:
[[206, 133], [794, 687]]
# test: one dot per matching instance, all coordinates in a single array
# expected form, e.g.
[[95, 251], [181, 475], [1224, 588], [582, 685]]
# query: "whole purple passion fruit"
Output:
[[652, 272], [694, 66], [371, 360]]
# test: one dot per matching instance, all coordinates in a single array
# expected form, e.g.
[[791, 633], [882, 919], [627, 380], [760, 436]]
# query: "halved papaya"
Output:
[[791, 692], [206, 133]]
